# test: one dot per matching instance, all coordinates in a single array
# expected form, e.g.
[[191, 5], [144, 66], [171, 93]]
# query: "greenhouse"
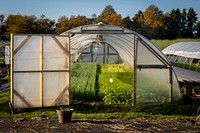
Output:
[[99, 61], [153, 78], [184, 54]]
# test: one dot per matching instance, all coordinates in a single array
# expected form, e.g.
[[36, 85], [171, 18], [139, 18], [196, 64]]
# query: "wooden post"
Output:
[[171, 84], [68, 68], [41, 70], [188, 90], [135, 43], [11, 67]]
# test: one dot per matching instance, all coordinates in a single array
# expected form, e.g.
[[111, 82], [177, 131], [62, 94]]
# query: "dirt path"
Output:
[[44, 125]]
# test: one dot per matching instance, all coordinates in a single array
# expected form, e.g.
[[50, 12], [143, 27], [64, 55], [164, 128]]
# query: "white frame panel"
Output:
[[39, 70]]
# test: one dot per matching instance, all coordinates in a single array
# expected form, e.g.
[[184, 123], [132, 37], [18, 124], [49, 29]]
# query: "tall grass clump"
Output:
[[83, 81]]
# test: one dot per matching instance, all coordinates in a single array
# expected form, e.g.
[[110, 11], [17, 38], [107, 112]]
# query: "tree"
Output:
[[150, 22], [108, 10], [183, 24], [76, 21], [44, 25], [153, 17], [114, 19], [198, 29], [137, 23], [169, 29], [2, 27], [1, 19], [175, 16], [93, 18], [20, 24], [62, 24], [191, 21], [128, 23]]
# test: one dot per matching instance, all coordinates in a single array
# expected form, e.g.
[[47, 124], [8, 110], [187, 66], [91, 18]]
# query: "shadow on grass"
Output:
[[162, 109], [93, 108]]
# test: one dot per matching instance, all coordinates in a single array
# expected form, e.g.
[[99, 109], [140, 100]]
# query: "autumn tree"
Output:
[[150, 22], [62, 24], [44, 25], [19, 24], [114, 19], [153, 17], [76, 21], [108, 10]]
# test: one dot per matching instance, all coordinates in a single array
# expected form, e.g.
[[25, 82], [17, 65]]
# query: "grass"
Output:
[[100, 110], [161, 44]]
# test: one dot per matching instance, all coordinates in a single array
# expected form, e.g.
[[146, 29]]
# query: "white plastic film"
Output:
[[28, 57], [153, 85], [176, 94], [55, 93], [26, 90], [54, 55], [146, 57]]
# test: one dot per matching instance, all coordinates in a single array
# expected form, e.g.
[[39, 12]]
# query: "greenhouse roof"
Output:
[[122, 39], [185, 49]]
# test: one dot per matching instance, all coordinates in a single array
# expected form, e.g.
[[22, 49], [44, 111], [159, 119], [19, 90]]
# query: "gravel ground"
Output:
[[45, 125]]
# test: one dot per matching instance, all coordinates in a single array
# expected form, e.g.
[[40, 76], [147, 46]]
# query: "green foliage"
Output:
[[186, 65], [115, 83], [4, 79], [83, 80], [4, 106]]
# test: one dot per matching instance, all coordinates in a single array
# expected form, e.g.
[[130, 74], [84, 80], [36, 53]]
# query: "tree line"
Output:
[[152, 23]]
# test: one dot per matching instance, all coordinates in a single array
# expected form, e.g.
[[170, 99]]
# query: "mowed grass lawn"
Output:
[[162, 44], [100, 110]]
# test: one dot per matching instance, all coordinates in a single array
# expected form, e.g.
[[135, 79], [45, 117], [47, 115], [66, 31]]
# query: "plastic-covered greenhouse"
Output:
[[184, 52], [102, 43], [40, 65]]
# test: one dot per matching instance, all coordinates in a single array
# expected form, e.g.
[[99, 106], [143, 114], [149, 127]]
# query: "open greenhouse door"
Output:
[[39, 70]]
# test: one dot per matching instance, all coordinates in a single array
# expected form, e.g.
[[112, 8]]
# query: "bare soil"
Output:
[[45, 125]]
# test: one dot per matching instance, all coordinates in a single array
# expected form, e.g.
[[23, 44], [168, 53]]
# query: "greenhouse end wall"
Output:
[[153, 74]]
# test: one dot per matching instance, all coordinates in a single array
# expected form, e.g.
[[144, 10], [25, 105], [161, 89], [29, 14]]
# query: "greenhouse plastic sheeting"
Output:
[[156, 87], [39, 70], [184, 49]]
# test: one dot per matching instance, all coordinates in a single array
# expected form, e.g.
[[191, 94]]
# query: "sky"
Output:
[[53, 9]]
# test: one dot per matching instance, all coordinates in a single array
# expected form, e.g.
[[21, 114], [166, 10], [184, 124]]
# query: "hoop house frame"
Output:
[[150, 67]]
